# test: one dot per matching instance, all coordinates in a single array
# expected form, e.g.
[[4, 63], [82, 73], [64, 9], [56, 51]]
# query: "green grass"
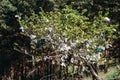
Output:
[[112, 74]]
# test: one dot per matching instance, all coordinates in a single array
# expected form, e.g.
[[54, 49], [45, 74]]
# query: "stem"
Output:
[[97, 77]]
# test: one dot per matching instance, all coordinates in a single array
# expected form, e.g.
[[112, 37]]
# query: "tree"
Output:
[[82, 29], [76, 30], [11, 39]]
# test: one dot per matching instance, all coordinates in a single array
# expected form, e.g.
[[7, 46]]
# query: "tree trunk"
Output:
[[60, 71], [12, 72], [96, 68], [94, 73], [106, 61], [73, 72]]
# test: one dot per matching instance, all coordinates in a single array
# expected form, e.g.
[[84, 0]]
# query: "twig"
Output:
[[47, 76]]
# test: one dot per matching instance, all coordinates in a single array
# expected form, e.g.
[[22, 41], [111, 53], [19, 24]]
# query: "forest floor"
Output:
[[112, 74]]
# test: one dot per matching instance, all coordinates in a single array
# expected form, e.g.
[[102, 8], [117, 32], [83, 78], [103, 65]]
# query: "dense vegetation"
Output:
[[59, 39]]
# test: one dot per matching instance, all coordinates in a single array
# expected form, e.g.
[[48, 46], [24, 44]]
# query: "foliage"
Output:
[[71, 28], [69, 32]]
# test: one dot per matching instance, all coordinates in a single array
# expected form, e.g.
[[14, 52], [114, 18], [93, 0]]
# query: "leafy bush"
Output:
[[70, 24], [67, 29]]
